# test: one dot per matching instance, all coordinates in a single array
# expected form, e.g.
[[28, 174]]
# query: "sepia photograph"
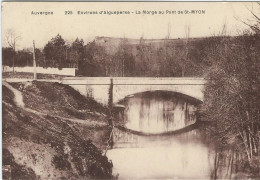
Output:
[[130, 90]]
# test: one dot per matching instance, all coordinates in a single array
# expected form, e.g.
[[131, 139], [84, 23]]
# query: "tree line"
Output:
[[166, 58]]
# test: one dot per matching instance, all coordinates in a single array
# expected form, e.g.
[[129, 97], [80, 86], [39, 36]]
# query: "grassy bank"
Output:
[[59, 134]]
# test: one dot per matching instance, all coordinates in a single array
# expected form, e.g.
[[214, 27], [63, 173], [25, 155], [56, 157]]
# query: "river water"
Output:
[[160, 155]]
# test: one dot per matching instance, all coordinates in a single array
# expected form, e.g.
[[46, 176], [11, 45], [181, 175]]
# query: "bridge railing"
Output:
[[135, 80]]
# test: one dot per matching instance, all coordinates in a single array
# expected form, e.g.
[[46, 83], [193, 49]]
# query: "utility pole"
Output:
[[34, 62], [13, 56], [123, 68]]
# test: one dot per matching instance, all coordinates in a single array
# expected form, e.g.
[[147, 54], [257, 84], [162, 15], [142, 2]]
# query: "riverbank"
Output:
[[57, 134]]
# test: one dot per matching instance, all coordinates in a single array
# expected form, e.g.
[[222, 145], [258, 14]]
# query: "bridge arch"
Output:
[[163, 94], [98, 87], [122, 91]]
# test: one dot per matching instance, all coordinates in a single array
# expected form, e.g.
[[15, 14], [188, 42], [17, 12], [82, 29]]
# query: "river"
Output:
[[154, 154]]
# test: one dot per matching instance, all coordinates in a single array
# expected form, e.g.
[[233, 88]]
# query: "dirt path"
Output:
[[18, 99]]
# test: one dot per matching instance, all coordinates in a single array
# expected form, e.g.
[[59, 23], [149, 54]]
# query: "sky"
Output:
[[41, 28]]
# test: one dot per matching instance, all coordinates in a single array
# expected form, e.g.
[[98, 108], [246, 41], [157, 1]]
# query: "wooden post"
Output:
[[34, 62], [110, 94], [13, 56], [110, 103]]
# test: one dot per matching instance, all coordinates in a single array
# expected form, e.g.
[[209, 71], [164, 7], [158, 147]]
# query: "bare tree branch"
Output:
[[253, 27], [256, 24], [11, 39], [253, 13]]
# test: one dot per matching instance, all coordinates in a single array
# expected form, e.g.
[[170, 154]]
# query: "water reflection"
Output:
[[160, 157], [156, 112], [181, 154]]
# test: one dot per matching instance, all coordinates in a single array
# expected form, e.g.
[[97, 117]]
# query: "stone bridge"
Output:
[[99, 87]]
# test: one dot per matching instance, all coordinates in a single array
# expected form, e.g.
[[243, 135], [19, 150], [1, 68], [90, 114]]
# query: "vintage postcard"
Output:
[[130, 90]]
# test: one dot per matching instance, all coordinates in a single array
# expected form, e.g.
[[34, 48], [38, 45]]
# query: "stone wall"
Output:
[[63, 71]]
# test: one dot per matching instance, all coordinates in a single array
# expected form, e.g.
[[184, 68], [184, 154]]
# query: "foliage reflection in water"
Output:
[[182, 156]]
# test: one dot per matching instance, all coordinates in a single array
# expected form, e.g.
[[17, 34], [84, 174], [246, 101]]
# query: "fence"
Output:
[[63, 71]]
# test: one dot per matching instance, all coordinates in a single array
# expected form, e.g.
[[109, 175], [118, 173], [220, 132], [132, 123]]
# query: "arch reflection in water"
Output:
[[159, 111]]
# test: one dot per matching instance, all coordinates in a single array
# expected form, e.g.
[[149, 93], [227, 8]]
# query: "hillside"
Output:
[[41, 141], [107, 56], [111, 44]]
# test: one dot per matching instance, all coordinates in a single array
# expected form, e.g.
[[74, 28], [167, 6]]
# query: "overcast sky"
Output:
[[41, 28]]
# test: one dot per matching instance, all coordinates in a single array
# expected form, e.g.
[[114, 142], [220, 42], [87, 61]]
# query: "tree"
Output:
[[141, 63], [124, 59], [24, 58], [164, 56], [40, 58], [76, 52], [12, 38], [55, 52], [7, 56], [232, 95], [185, 61], [95, 61]]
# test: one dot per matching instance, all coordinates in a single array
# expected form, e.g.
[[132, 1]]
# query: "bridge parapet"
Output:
[[134, 80]]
